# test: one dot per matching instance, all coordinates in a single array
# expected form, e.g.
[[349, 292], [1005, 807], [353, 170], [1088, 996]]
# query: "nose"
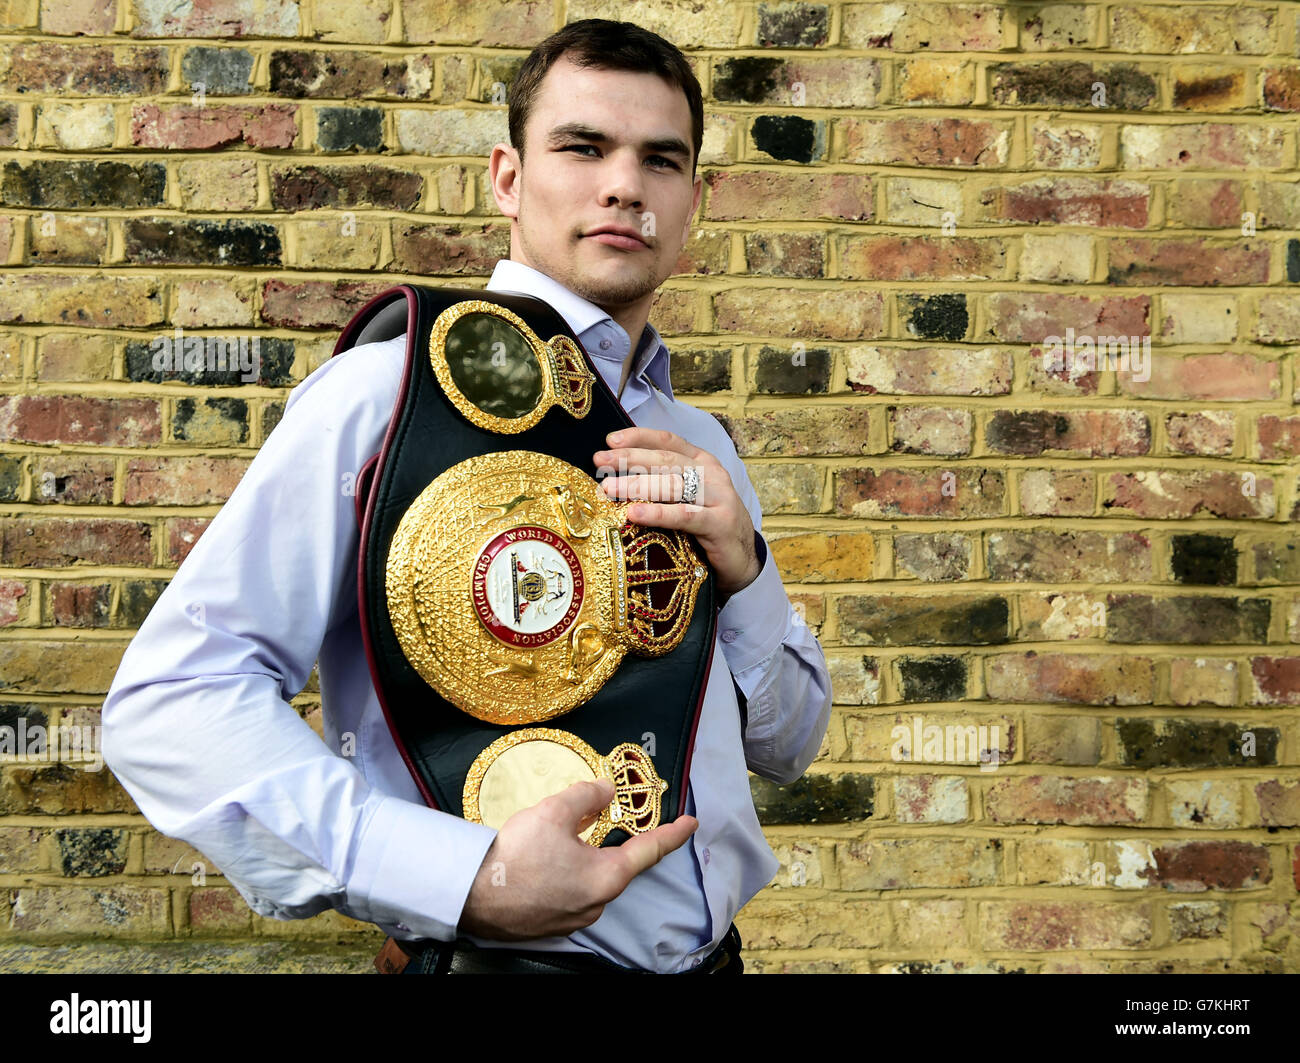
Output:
[[622, 181]]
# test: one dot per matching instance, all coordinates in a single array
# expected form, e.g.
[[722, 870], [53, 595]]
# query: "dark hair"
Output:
[[606, 45]]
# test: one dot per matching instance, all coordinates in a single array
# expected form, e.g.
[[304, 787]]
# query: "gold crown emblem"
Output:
[[516, 587]]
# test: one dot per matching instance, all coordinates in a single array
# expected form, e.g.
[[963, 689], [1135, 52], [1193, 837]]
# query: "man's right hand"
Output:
[[540, 879]]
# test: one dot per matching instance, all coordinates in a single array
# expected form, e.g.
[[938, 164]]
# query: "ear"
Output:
[[505, 172]]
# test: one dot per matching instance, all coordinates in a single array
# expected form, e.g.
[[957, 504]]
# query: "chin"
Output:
[[614, 291]]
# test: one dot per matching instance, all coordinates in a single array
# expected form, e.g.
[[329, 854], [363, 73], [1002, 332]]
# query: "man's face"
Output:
[[604, 149]]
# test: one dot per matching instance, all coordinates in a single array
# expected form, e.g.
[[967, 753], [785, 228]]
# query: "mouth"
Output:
[[620, 236]]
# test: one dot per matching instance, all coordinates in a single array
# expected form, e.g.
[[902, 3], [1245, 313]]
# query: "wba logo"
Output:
[[102, 1016]]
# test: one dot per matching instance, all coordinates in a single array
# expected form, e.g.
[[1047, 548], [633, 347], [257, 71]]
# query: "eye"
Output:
[[579, 147], [662, 161]]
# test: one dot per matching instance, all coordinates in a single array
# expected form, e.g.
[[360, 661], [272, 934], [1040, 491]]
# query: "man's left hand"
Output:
[[649, 464]]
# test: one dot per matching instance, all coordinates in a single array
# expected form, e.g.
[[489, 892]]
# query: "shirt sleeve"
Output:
[[776, 662], [197, 723]]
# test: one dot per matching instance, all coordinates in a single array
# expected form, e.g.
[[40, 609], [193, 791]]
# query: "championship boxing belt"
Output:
[[521, 633]]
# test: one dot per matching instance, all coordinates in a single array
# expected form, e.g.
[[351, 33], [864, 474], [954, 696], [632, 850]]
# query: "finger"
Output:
[[664, 488], [643, 851], [655, 438], [678, 516], [577, 802], [628, 460]]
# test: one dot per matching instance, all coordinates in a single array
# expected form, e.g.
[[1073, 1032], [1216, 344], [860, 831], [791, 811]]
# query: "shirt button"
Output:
[[606, 344], [707, 856], [403, 927], [729, 635]]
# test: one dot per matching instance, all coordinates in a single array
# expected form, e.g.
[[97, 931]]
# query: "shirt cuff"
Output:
[[754, 621], [414, 868]]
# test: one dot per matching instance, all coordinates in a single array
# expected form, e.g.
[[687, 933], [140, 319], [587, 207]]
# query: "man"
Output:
[[600, 186]]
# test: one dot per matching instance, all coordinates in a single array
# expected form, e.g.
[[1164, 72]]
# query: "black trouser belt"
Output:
[[460, 957]]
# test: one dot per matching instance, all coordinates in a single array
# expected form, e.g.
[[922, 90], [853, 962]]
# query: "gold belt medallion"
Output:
[[526, 766], [516, 587]]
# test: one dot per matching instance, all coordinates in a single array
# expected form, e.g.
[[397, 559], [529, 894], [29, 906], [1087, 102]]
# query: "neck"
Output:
[[632, 319]]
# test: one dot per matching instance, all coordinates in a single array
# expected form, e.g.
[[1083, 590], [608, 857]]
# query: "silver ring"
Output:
[[690, 484]]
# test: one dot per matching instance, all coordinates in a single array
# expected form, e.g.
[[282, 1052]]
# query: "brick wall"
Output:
[[1061, 600]]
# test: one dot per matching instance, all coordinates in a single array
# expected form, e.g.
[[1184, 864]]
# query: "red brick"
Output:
[[1080, 678], [1168, 495], [925, 141], [1029, 926], [44, 67], [1279, 437], [182, 481], [218, 909], [182, 534], [1043, 555], [55, 543], [772, 254], [1276, 680], [79, 604], [757, 195], [1211, 434], [892, 258], [1199, 262], [674, 311], [885, 493], [316, 304], [1282, 89], [930, 430], [449, 249], [12, 608], [1024, 317], [187, 128], [73, 479], [1214, 377], [68, 419], [1096, 433], [1071, 201], [1211, 865], [1064, 799]]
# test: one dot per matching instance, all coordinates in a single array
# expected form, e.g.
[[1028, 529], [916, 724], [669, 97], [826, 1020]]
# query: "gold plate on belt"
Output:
[[524, 767], [498, 372], [516, 587]]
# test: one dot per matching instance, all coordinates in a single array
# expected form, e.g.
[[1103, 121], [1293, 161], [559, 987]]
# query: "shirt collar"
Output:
[[581, 315]]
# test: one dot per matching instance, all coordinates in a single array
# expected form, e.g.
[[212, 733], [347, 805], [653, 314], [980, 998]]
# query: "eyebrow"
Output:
[[578, 131]]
